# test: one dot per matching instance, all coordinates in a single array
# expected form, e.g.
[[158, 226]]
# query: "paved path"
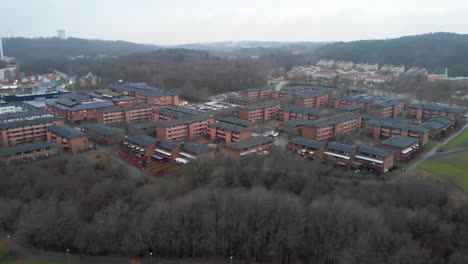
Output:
[[415, 164]]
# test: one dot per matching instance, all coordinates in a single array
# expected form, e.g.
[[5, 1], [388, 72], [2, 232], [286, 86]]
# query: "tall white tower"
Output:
[[1, 47]]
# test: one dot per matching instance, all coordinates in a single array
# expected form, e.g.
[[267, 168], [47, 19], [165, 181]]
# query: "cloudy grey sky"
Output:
[[189, 21]]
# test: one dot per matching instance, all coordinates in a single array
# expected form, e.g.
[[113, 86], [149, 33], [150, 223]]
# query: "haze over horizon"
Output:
[[185, 21]]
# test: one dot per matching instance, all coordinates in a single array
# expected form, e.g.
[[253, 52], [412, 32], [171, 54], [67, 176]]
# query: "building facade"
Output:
[[27, 131], [68, 138]]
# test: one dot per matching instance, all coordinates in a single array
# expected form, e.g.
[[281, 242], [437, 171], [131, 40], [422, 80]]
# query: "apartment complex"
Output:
[[307, 148], [125, 114], [327, 129], [68, 138], [339, 153], [239, 122], [388, 108], [117, 98], [404, 148], [311, 99], [377, 159], [102, 134], [350, 100], [146, 93], [27, 131], [141, 146], [166, 150], [228, 133], [31, 151], [180, 129], [75, 110], [174, 112], [261, 111], [258, 93], [250, 146], [426, 111], [439, 127], [379, 128], [20, 112], [293, 112]]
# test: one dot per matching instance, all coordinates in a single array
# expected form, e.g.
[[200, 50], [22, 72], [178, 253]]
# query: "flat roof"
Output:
[[23, 114], [101, 129], [296, 123], [386, 103], [183, 121], [332, 120], [394, 123], [228, 127], [260, 105], [142, 140], [301, 110], [312, 144], [336, 146], [141, 88], [352, 98], [350, 107], [66, 131], [183, 110], [122, 108], [240, 99], [74, 106], [400, 141], [237, 121], [168, 144], [30, 147], [196, 149], [33, 122], [251, 143], [258, 89], [437, 108], [374, 151], [74, 97]]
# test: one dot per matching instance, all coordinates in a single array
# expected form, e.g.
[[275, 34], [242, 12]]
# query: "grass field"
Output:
[[449, 168], [430, 145], [460, 141]]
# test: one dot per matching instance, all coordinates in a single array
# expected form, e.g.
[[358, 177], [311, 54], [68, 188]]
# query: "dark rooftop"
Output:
[[74, 106], [236, 121], [197, 149], [368, 150], [28, 122], [121, 108], [332, 120], [74, 97], [240, 99], [168, 144], [336, 146], [400, 141], [23, 114], [301, 110], [386, 103], [260, 105], [296, 123], [251, 143], [393, 123], [350, 108], [353, 99], [140, 88], [142, 140], [30, 147], [66, 131], [228, 127], [437, 108], [100, 129], [183, 121], [312, 144]]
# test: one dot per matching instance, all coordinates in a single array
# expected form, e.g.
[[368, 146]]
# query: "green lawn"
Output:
[[459, 142], [449, 168], [430, 145]]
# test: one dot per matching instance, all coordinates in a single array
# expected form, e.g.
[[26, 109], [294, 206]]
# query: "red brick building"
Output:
[[68, 138], [381, 128], [307, 148], [341, 154], [73, 111], [27, 131], [228, 133], [389, 108], [126, 114], [439, 127], [146, 93], [377, 160], [327, 129], [311, 99], [404, 148], [350, 100], [175, 112], [258, 93], [294, 112], [180, 129], [32, 151], [261, 111], [192, 151], [291, 92], [255, 145], [140, 146], [424, 111], [117, 98], [239, 122], [166, 150]]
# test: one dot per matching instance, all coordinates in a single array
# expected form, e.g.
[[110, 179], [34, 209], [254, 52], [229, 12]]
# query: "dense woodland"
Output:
[[432, 51], [195, 75], [275, 209]]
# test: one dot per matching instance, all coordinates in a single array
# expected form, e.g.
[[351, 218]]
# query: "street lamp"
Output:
[[231, 259], [68, 256], [151, 257]]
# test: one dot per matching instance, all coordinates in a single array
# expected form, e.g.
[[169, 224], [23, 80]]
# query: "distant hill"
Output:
[[42, 54], [433, 51]]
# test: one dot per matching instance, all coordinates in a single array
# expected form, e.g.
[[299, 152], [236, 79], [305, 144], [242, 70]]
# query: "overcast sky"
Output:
[[191, 21]]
